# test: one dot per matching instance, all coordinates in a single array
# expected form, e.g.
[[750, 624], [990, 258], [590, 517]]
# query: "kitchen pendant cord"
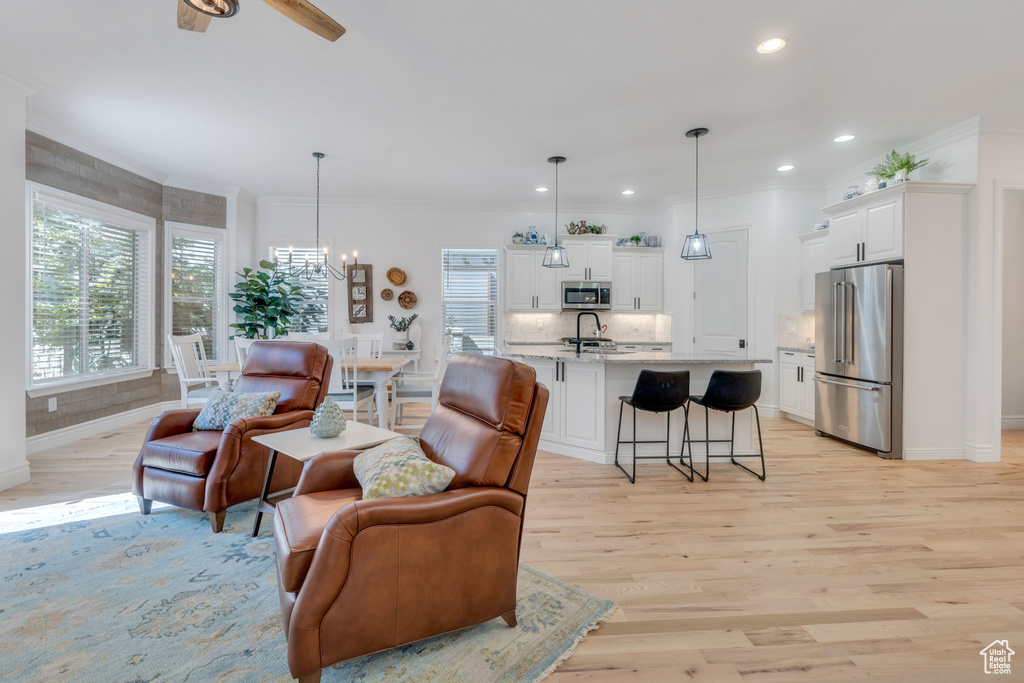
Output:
[[696, 185], [556, 203]]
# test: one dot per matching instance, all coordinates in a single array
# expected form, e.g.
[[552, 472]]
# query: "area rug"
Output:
[[133, 598]]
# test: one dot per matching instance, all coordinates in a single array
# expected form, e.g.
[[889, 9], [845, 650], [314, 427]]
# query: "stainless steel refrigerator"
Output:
[[858, 358]]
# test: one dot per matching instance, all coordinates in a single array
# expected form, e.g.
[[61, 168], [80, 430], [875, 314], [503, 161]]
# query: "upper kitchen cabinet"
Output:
[[638, 279], [529, 286], [813, 260], [867, 229], [590, 258]]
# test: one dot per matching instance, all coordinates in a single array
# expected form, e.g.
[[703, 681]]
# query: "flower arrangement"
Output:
[[897, 164]]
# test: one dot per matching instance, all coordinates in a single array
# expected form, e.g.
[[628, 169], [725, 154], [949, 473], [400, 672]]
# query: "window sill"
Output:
[[76, 384]]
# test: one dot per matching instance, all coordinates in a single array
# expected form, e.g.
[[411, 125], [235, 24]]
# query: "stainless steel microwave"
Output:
[[586, 296]]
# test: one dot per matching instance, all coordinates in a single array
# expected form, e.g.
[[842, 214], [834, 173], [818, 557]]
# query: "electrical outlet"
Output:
[[636, 323], [540, 324], [52, 404]]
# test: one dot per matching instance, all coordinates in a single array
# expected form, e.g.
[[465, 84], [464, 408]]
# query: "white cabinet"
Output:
[[638, 279], [590, 258], [529, 286], [813, 260], [796, 384], [867, 229], [575, 412]]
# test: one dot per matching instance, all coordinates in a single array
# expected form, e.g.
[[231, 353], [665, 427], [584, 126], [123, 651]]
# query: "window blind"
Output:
[[196, 263], [469, 298], [91, 302], [313, 311]]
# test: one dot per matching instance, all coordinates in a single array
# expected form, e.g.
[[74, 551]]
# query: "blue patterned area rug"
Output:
[[162, 598]]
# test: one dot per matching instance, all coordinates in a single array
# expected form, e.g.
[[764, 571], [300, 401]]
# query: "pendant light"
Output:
[[319, 267], [696, 246], [555, 256]]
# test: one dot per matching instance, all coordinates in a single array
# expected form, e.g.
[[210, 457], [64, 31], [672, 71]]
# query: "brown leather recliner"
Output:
[[358, 576], [211, 471]]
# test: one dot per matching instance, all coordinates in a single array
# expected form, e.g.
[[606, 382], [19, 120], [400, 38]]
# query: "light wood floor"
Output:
[[839, 566]]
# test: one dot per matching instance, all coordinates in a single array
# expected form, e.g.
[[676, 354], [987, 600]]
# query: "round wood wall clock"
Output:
[[407, 300]]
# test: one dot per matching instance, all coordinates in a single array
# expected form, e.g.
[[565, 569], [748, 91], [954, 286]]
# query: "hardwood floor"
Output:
[[839, 566]]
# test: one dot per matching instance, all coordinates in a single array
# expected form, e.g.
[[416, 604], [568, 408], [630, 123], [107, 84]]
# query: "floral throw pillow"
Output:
[[399, 468], [222, 409]]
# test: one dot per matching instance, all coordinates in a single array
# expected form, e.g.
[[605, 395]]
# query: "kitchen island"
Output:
[[583, 410]]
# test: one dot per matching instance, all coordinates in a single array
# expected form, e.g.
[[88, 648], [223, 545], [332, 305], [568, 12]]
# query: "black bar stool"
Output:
[[656, 392], [728, 391]]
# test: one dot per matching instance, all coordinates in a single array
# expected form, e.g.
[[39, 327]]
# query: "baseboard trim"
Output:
[[985, 453], [797, 418], [66, 435], [1013, 421], [13, 476], [934, 454]]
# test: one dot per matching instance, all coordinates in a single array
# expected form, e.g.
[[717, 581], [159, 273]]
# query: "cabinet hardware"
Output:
[[858, 252], [863, 251], [556, 370]]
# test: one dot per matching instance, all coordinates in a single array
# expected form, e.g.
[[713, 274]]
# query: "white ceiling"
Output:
[[462, 101]]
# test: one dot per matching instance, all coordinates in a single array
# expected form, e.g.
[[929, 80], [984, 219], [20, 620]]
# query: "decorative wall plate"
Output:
[[396, 276], [406, 300], [387, 294]]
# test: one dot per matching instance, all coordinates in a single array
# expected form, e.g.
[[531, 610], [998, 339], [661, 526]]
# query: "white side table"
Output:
[[301, 445]]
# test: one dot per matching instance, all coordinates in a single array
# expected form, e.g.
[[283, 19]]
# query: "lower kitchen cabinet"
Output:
[[575, 412], [796, 385]]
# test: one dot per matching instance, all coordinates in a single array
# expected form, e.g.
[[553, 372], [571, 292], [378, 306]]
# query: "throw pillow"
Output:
[[399, 468], [222, 409]]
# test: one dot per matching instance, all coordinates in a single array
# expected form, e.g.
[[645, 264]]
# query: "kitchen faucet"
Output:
[[579, 342]]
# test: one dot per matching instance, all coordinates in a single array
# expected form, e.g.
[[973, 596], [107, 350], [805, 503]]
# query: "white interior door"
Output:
[[720, 295]]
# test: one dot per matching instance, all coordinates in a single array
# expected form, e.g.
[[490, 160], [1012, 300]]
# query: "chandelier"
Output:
[[319, 267]]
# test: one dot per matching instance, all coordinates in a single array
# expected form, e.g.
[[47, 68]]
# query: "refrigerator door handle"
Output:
[[848, 325], [844, 384], [838, 291]]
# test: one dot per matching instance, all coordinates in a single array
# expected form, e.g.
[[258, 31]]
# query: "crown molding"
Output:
[[41, 126], [1001, 126], [241, 194], [182, 183], [28, 82], [421, 205]]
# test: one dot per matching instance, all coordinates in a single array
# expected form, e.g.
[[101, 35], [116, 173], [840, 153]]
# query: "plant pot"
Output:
[[901, 175]]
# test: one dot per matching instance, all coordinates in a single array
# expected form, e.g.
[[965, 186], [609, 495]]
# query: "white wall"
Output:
[[411, 238], [14, 467], [1013, 310]]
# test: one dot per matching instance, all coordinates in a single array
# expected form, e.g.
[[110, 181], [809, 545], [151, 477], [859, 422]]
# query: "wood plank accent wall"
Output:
[[51, 163]]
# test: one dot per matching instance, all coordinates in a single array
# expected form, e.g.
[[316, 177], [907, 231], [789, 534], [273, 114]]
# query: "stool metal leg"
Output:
[[618, 440], [686, 435], [760, 444]]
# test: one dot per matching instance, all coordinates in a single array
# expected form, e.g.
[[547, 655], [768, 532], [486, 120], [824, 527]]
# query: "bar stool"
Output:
[[656, 392], [728, 391]]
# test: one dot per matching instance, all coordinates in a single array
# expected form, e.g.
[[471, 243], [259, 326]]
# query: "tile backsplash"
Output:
[[545, 327], [795, 330]]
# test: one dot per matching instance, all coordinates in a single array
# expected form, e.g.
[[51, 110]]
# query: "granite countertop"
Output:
[[546, 352], [798, 349]]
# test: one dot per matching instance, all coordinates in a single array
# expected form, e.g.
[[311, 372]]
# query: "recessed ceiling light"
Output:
[[542, 189], [843, 138], [627, 192], [787, 167], [771, 45]]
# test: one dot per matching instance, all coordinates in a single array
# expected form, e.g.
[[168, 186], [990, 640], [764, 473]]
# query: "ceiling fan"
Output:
[[195, 15]]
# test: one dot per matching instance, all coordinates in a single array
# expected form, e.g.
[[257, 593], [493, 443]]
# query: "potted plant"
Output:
[[518, 238], [402, 325], [897, 166], [636, 240], [266, 301]]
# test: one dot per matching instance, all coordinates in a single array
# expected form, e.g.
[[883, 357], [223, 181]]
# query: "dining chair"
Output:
[[345, 388], [369, 345], [242, 348], [419, 387], [189, 357]]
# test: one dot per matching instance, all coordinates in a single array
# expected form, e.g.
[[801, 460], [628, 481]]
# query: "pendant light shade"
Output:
[[555, 256], [696, 246]]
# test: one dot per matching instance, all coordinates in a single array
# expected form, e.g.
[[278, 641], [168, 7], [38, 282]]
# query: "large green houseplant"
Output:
[[266, 301]]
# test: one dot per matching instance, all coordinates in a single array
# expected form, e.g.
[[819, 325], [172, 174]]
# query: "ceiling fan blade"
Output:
[[190, 19], [308, 16]]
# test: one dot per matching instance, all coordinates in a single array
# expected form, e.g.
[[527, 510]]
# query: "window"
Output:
[[469, 298], [195, 290], [91, 291], [314, 310]]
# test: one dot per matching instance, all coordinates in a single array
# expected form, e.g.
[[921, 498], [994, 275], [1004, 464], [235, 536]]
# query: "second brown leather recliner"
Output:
[[358, 576]]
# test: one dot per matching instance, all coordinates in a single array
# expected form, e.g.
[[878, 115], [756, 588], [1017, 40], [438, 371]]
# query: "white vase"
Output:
[[415, 333], [901, 175]]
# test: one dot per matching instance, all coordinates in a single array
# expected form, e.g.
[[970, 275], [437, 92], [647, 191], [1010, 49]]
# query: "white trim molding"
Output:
[[1013, 422], [66, 435], [13, 476], [934, 454]]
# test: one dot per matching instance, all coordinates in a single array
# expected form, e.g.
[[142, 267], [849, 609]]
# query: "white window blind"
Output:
[[91, 313], [195, 288], [469, 298], [313, 315]]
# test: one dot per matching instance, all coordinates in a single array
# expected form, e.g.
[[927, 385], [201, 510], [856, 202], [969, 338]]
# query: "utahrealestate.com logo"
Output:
[[997, 657]]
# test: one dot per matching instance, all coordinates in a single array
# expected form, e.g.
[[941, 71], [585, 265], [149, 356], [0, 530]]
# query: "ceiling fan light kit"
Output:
[[696, 246], [214, 8], [555, 256]]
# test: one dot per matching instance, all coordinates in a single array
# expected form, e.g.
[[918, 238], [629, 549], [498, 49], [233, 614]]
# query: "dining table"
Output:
[[380, 371]]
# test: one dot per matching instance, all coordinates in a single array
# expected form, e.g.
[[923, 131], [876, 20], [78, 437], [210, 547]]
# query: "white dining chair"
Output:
[[418, 387], [345, 388], [369, 345], [189, 357], [242, 348]]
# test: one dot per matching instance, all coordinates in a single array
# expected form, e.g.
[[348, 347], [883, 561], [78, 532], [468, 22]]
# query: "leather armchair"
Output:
[[358, 576], [210, 470]]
